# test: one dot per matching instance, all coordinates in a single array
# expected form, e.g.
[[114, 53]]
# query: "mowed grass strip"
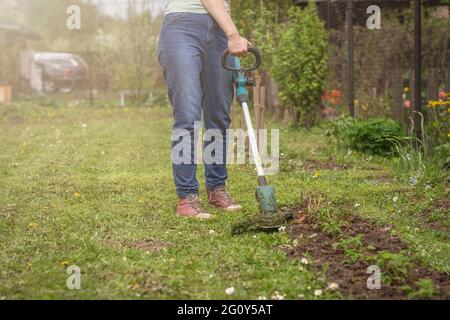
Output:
[[92, 187]]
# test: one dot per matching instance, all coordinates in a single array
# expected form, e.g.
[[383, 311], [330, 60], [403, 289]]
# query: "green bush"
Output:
[[373, 136], [338, 127], [442, 155], [420, 159], [300, 63]]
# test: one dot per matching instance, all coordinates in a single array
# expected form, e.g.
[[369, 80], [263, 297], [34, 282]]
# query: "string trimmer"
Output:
[[268, 216]]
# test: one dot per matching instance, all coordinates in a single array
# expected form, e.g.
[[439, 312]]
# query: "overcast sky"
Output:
[[119, 7]]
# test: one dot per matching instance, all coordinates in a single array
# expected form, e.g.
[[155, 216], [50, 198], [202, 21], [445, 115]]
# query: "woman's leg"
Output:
[[180, 55], [218, 97]]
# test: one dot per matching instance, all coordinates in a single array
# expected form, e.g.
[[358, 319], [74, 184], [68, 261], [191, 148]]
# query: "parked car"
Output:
[[61, 71]]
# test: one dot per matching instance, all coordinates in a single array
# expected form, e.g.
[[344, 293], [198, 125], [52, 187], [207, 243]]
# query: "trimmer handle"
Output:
[[252, 50]]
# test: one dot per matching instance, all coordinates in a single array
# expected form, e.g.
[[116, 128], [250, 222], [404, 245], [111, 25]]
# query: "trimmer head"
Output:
[[268, 217]]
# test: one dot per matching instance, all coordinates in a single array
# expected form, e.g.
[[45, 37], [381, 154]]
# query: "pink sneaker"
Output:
[[220, 198], [192, 207]]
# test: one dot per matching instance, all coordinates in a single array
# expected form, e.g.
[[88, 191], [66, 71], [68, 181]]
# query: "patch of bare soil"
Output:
[[317, 247], [151, 245]]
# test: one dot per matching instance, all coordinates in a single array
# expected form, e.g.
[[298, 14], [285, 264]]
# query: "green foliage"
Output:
[[246, 25], [442, 155], [329, 220], [338, 127], [373, 136], [331, 227], [353, 248], [417, 160], [437, 128], [262, 34], [395, 267], [300, 63], [295, 54], [426, 290]]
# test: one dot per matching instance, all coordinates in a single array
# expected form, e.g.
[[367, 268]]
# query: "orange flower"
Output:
[[336, 93]]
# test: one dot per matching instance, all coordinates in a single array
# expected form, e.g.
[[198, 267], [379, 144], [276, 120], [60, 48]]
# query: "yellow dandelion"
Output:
[[33, 225], [65, 263], [76, 194], [316, 174]]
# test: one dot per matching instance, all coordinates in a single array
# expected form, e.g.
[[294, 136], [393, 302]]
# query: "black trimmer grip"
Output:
[[252, 50]]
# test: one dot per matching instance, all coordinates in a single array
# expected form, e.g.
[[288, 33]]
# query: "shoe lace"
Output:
[[194, 202], [223, 194]]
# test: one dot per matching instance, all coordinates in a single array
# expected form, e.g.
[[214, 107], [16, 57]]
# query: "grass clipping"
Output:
[[261, 222]]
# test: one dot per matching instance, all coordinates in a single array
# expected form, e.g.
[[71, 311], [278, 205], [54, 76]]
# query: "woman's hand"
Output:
[[237, 45]]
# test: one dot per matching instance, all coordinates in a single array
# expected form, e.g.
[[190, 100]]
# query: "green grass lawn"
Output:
[[93, 188]]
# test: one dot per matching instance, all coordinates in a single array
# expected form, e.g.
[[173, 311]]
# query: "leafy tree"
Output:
[[300, 63], [240, 9], [263, 33], [127, 51]]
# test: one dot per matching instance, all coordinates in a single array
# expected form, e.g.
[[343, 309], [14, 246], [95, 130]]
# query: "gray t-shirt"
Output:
[[194, 6]]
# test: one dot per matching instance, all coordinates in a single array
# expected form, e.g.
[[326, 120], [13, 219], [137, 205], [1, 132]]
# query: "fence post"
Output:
[[417, 70], [351, 83], [91, 94], [122, 99]]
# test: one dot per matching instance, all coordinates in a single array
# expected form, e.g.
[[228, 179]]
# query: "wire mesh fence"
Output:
[[381, 55]]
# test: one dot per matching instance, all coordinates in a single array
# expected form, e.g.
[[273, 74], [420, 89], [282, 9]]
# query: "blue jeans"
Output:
[[189, 52]]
